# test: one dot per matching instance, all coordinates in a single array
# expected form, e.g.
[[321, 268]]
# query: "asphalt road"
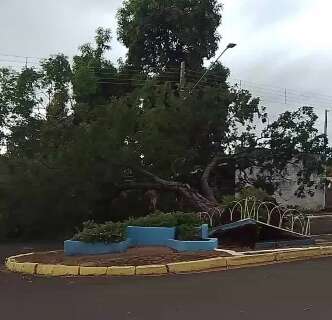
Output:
[[299, 290]]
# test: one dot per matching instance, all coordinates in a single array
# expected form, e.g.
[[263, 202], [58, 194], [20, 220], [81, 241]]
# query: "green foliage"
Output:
[[160, 219], [188, 232], [187, 227], [91, 70], [154, 220], [107, 233], [258, 194], [161, 34], [329, 168], [229, 201]]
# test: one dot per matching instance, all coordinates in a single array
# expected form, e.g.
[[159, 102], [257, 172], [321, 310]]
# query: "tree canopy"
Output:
[[161, 34]]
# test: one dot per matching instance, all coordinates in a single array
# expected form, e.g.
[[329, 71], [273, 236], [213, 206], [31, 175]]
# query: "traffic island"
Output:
[[154, 261]]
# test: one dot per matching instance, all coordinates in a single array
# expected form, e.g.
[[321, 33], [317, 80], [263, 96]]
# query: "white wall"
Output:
[[285, 194]]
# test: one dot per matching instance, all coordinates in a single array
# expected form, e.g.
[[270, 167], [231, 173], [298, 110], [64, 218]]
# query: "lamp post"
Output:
[[229, 46]]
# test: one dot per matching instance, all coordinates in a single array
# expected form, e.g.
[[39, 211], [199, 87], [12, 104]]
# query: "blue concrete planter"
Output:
[[72, 248], [150, 236], [203, 245], [207, 244], [143, 236]]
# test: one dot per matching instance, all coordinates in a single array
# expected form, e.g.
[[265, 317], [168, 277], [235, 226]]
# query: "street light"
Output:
[[229, 46]]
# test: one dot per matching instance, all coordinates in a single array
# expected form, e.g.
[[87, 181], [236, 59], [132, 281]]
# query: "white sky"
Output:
[[281, 43]]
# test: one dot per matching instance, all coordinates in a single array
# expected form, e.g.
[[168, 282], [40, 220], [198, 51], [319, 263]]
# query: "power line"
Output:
[[19, 56], [18, 61], [266, 92], [137, 83]]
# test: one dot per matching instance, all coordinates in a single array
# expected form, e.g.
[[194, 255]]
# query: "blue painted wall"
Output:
[[181, 246], [73, 248], [150, 236]]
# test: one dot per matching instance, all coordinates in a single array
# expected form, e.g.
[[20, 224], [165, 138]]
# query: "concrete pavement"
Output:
[[298, 290]]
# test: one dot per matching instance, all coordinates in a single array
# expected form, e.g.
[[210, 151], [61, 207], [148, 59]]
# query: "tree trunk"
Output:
[[206, 189], [194, 198]]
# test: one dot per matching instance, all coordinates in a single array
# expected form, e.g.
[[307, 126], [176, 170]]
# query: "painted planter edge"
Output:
[[143, 236], [72, 247], [150, 236], [209, 244]]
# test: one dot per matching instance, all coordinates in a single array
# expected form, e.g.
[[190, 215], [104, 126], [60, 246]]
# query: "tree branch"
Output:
[[206, 189], [193, 197]]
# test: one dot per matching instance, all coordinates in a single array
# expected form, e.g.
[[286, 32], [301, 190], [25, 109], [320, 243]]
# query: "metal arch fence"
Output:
[[262, 211]]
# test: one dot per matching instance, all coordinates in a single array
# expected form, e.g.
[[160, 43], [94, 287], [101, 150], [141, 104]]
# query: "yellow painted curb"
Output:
[[299, 254], [93, 271], [151, 269], [199, 265], [44, 269], [10, 264], [24, 267], [326, 251], [57, 270], [250, 259], [121, 271]]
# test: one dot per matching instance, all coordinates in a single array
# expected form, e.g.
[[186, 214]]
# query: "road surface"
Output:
[[298, 290]]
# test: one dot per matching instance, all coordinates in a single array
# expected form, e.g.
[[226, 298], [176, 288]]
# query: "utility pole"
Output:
[[26, 62], [182, 77], [325, 169], [325, 124]]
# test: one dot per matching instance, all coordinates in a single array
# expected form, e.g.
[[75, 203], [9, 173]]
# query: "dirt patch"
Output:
[[133, 257]]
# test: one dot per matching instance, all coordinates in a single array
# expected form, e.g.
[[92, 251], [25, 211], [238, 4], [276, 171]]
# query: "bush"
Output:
[[187, 232], [160, 219], [257, 193], [186, 223], [229, 201], [108, 232]]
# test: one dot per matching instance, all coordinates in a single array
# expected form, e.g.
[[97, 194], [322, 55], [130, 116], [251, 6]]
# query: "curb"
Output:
[[219, 263]]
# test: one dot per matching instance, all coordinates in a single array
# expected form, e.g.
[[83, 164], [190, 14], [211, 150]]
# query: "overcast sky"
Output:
[[281, 44]]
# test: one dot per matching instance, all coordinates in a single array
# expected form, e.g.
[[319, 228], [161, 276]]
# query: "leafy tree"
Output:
[[91, 68], [163, 142], [56, 80], [161, 34]]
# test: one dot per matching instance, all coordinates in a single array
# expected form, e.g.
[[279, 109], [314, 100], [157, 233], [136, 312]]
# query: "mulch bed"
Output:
[[133, 257]]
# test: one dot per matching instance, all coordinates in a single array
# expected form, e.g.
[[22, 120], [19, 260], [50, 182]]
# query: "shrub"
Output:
[[187, 232], [228, 201], [157, 219], [187, 218], [186, 223], [257, 193], [107, 232], [160, 219]]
